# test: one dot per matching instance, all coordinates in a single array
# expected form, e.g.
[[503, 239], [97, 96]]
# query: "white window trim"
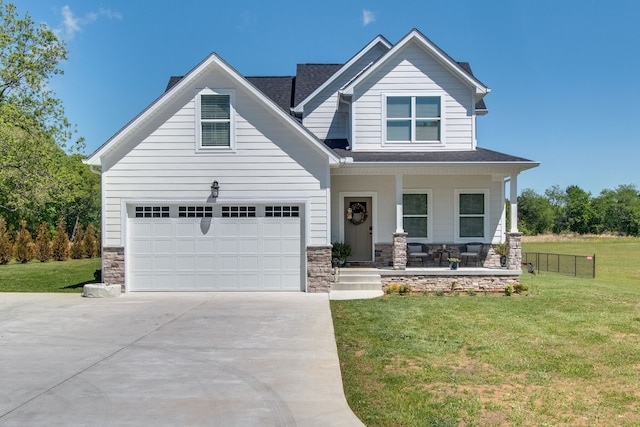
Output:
[[429, 238], [413, 143], [487, 216], [232, 121]]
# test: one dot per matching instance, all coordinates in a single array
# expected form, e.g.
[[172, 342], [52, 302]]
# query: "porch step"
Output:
[[358, 279]]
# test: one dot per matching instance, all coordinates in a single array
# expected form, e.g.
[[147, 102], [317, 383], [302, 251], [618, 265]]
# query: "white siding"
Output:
[[412, 71], [271, 162], [320, 114]]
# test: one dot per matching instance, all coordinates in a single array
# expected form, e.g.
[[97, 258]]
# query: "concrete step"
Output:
[[358, 279], [356, 286]]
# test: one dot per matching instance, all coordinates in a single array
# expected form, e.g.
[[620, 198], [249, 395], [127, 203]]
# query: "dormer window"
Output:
[[414, 119], [214, 116]]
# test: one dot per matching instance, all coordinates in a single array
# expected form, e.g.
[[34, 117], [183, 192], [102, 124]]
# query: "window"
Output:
[[238, 211], [195, 212], [215, 126], [152, 211], [415, 215], [413, 118], [281, 211], [472, 214]]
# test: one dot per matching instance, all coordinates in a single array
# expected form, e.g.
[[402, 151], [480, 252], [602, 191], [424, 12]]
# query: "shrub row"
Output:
[[21, 246]]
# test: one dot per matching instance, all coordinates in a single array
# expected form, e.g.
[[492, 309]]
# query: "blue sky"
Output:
[[563, 73]]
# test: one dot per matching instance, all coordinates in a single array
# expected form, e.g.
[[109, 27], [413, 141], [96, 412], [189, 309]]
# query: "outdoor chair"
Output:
[[471, 252], [416, 250]]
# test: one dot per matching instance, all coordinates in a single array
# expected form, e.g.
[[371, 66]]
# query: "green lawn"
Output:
[[568, 353], [52, 276]]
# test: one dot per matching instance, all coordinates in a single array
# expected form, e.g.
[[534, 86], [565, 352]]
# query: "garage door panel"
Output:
[[209, 254], [164, 263]]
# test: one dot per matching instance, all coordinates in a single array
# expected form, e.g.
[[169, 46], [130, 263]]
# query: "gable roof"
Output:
[[310, 77], [378, 41], [176, 87], [279, 89], [460, 71]]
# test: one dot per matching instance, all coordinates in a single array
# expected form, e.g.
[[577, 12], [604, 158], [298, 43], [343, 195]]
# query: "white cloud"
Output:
[[72, 24], [368, 17]]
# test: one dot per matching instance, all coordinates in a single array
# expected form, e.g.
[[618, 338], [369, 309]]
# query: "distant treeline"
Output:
[[576, 210]]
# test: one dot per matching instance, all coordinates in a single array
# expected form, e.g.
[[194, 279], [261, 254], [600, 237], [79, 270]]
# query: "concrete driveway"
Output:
[[170, 359]]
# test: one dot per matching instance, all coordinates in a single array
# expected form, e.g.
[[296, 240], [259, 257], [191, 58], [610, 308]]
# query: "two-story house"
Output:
[[228, 182]]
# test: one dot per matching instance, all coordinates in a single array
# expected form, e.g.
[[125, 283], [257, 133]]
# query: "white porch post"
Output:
[[513, 198], [399, 225]]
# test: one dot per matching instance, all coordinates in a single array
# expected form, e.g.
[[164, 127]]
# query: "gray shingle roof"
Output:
[[279, 89], [479, 155], [309, 77]]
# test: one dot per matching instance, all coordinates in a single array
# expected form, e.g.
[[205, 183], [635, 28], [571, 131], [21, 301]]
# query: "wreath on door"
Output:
[[357, 214]]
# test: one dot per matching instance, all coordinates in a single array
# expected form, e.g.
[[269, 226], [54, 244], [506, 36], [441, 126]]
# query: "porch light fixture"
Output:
[[215, 188]]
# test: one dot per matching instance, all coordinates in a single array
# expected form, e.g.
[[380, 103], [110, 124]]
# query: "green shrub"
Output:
[[404, 289], [508, 290], [391, 289], [23, 248], [398, 288], [341, 251], [43, 244], [6, 245], [60, 244], [520, 288], [439, 293]]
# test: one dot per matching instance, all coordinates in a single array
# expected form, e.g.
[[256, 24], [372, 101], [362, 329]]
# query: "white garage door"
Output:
[[196, 248]]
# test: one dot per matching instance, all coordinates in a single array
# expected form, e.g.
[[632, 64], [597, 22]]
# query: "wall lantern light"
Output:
[[215, 188]]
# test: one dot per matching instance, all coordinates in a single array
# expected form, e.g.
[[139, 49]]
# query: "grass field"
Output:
[[567, 353], [52, 276]]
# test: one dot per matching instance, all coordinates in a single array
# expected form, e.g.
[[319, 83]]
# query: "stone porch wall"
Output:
[[399, 251], [514, 251], [421, 283], [384, 254], [113, 266], [318, 268]]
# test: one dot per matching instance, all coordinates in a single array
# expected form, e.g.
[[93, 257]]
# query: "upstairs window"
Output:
[[215, 120], [413, 118]]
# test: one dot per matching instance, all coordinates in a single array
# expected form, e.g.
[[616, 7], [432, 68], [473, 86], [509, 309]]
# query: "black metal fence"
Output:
[[570, 265]]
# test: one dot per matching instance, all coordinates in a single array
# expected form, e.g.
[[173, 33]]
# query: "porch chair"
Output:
[[416, 250], [471, 250]]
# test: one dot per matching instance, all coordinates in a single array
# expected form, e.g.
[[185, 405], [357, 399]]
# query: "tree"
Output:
[[619, 210], [34, 132], [580, 214], [60, 243], [558, 200], [535, 215], [23, 247], [77, 250], [30, 55], [6, 245], [89, 242], [43, 244]]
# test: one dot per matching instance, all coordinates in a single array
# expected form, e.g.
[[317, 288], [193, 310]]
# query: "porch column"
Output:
[[513, 199], [399, 225]]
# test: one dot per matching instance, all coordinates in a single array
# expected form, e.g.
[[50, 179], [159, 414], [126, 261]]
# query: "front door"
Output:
[[357, 227]]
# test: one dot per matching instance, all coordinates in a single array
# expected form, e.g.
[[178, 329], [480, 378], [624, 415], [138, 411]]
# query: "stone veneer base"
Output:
[[318, 269], [452, 280], [113, 266]]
